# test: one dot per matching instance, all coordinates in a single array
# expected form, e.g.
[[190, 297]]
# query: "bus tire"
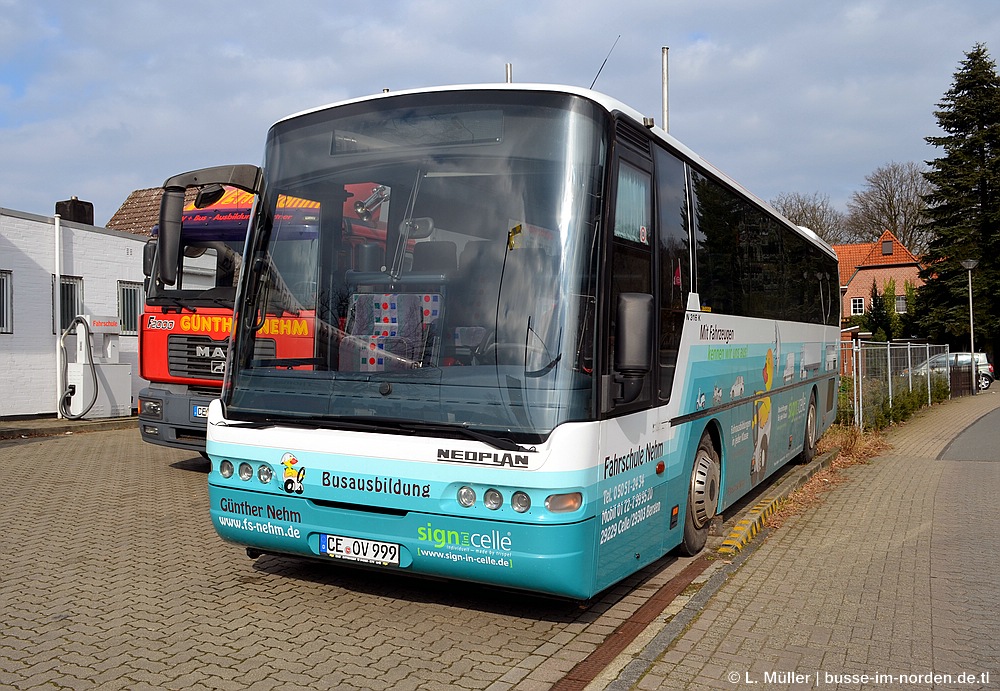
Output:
[[809, 441], [703, 496]]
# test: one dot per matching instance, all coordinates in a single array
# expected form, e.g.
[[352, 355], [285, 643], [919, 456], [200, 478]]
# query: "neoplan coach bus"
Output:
[[576, 343]]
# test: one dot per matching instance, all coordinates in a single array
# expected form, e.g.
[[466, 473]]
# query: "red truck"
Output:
[[185, 327]]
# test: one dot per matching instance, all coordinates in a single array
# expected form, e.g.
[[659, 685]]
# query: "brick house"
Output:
[[882, 260]]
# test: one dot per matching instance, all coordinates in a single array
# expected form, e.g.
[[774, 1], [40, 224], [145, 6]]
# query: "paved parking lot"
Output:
[[112, 577]]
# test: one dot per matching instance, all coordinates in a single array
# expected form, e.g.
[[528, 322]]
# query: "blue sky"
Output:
[[101, 98]]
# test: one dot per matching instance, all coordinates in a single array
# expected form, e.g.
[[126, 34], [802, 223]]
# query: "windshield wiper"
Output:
[[172, 303], [310, 423], [497, 442], [546, 369], [389, 426]]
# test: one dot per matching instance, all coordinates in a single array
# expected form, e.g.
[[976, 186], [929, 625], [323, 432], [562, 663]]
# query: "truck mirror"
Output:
[[246, 177], [171, 213], [208, 195], [148, 256], [417, 228]]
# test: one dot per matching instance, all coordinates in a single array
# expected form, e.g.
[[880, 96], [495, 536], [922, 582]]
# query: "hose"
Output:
[[67, 394]]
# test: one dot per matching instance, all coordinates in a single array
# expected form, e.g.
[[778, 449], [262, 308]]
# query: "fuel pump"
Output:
[[98, 385]]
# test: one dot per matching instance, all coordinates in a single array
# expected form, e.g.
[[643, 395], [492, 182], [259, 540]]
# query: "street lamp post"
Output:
[[969, 265]]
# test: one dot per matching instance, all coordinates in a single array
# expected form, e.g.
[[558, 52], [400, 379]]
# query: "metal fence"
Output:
[[883, 383]]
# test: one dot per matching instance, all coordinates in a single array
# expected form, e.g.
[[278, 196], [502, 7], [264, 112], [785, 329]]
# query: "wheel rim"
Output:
[[704, 488], [811, 425], [984, 382]]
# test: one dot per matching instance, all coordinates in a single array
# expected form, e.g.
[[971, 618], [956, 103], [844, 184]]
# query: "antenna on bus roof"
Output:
[[605, 61]]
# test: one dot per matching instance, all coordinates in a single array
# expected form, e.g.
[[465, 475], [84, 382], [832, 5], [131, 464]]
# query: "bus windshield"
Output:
[[451, 283]]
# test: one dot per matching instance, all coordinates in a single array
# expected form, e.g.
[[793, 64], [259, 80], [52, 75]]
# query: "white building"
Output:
[[101, 275]]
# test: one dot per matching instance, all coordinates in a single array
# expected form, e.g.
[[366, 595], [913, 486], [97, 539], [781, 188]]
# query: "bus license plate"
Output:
[[357, 549], [199, 410]]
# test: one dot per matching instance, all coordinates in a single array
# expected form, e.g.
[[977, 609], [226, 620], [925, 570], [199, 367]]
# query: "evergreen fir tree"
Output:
[[877, 317], [892, 319], [964, 209]]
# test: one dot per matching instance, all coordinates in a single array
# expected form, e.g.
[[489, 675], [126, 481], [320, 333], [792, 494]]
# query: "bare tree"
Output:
[[814, 212], [892, 199]]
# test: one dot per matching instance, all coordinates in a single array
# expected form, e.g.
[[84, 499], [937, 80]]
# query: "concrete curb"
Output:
[[27, 429], [739, 534]]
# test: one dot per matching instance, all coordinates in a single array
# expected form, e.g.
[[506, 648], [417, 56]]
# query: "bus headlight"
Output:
[[492, 499], [246, 471], [466, 496], [564, 503], [265, 474], [520, 502], [226, 469]]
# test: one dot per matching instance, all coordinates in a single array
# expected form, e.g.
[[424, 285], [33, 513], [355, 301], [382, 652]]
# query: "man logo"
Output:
[[209, 351], [218, 366]]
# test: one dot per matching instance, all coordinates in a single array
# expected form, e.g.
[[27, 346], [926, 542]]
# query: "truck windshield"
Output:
[[451, 279], [210, 258]]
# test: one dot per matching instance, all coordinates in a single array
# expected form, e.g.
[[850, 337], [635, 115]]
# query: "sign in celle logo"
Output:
[[442, 538]]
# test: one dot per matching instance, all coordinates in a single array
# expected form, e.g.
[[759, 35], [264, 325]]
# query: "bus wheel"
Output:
[[809, 443], [703, 497]]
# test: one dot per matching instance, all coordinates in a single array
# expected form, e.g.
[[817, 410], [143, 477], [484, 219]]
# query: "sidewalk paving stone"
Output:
[[894, 573]]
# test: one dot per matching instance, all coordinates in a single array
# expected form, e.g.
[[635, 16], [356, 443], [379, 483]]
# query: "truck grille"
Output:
[[199, 357]]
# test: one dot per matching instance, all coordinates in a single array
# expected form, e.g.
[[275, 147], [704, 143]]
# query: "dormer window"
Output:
[[886, 248]]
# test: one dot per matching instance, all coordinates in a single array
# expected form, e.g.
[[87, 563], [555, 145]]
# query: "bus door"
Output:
[[629, 520]]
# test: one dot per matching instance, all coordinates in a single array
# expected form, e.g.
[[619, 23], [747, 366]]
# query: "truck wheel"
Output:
[[703, 496]]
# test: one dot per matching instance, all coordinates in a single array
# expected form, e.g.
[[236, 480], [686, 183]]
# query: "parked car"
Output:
[[985, 371], [943, 362]]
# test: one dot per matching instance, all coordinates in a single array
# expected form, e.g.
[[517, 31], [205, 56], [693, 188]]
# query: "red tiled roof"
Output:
[[861, 255], [141, 211]]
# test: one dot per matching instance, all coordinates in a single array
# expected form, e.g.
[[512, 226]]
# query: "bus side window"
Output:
[[717, 217], [674, 262], [631, 253]]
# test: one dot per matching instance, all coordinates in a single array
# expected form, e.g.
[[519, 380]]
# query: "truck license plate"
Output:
[[199, 410]]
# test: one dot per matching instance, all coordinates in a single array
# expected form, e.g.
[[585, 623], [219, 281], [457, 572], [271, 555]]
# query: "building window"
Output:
[[900, 304], [857, 305], [70, 301], [6, 302], [887, 248], [130, 300]]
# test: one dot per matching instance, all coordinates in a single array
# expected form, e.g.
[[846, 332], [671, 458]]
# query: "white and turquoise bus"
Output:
[[568, 345]]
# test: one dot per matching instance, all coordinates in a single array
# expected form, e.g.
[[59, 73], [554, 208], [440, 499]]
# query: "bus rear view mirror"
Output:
[[633, 352]]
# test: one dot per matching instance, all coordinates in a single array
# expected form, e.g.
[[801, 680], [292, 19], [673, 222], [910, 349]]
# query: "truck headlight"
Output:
[[151, 407]]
